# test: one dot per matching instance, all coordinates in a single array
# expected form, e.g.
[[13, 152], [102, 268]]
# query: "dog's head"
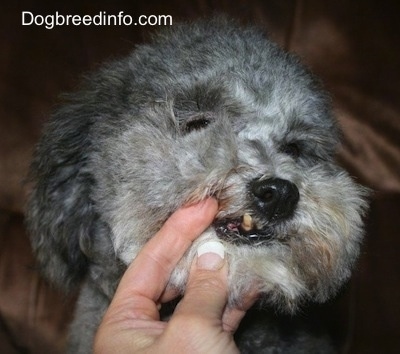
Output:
[[206, 109]]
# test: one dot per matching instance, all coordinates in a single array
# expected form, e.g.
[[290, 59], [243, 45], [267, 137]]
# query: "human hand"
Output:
[[201, 323]]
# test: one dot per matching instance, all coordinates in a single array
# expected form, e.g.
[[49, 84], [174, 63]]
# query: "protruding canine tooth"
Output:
[[247, 222]]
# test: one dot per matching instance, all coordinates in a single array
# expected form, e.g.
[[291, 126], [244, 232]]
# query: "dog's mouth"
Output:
[[243, 230]]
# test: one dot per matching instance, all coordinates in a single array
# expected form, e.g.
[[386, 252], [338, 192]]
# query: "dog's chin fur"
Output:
[[204, 110]]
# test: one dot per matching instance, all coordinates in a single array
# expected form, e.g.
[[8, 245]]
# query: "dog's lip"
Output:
[[242, 230]]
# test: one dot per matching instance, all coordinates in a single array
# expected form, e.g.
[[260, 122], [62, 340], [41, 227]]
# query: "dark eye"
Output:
[[196, 124], [292, 149]]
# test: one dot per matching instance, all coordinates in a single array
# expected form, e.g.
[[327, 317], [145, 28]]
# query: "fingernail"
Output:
[[210, 255]]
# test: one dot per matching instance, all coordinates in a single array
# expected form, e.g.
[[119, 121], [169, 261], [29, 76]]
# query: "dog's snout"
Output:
[[275, 198]]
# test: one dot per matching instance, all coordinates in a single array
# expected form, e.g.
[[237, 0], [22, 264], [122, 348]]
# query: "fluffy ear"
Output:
[[60, 215]]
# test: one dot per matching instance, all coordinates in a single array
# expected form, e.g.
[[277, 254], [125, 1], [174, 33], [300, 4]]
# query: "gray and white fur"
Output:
[[206, 109]]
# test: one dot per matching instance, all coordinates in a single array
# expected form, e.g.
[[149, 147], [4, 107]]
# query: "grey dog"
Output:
[[206, 109]]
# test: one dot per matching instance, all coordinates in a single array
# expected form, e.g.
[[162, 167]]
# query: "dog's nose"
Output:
[[275, 198]]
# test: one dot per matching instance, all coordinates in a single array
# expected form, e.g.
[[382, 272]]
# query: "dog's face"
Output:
[[227, 115]]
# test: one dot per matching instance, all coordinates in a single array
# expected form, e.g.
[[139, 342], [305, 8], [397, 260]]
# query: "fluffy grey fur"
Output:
[[208, 108]]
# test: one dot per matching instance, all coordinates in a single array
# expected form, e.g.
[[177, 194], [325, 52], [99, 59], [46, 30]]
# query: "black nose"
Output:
[[275, 198]]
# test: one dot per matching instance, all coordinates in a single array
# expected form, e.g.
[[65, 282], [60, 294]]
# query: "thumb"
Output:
[[197, 322], [206, 292]]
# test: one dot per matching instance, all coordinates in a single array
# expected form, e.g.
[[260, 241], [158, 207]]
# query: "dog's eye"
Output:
[[196, 124], [292, 149]]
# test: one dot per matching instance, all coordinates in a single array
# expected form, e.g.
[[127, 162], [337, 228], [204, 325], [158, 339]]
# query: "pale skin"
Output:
[[202, 321]]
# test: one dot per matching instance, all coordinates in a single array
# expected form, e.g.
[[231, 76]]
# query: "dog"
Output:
[[208, 108]]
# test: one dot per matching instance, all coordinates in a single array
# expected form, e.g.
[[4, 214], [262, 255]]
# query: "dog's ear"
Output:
[[60, 215]]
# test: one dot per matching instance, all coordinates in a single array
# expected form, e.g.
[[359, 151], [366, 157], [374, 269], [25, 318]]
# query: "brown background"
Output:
[[353, 45]]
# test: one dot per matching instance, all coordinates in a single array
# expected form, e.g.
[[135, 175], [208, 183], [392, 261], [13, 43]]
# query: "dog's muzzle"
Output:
[[273, 200]]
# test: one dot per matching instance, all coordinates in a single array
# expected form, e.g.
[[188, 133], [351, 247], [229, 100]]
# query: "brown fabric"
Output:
[[375, 305], [33, 317], [352, 45]]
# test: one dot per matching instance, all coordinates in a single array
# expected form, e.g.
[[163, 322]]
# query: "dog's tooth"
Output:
[[247, 222]]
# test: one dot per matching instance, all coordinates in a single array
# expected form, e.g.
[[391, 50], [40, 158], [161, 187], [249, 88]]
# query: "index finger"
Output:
[[149, 273]]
